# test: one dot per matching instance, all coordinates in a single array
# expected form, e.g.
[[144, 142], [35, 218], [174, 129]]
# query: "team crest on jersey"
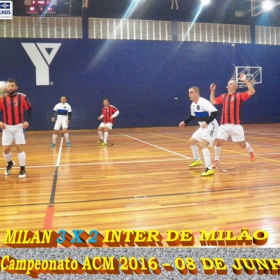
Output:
[[197, 107]]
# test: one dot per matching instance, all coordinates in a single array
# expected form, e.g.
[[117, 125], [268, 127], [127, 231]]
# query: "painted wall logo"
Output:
[[41, 54], [6, 10]]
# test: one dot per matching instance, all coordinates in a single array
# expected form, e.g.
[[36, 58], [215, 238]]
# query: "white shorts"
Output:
[[209, 134], [236, 132], [60, 123], [13, 132], [109, 125]]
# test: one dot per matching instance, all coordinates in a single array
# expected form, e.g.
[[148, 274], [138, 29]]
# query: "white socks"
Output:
[[105, 137], [8, 157], [100, 134], [217, 152], [66, 137], [207, 158], [195, 152], [54, 137], [21, 158], [248, 148]]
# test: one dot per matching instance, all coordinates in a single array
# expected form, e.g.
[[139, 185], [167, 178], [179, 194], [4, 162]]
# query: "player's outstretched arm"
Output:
[[247, 83], [212, 93]]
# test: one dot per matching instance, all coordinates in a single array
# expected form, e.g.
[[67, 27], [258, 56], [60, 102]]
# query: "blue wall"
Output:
[[141, 78]]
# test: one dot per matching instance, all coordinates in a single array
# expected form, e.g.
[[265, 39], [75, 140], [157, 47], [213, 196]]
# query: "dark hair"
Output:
[[105, 99], [10, 80], [63, 96]]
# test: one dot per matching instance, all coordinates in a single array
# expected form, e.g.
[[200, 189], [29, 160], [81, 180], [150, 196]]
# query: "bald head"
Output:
[[232, 86]]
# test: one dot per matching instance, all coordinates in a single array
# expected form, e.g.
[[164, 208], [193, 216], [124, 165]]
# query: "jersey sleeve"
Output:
[[27, 105], [114, 109], [219, 99], [245, 95], [209, 107], [192, 110]]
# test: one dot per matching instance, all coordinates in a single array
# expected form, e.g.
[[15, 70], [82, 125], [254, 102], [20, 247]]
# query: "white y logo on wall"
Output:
[[41, 58]]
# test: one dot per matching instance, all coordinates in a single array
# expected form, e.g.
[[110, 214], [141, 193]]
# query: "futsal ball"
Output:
[[3, 88]]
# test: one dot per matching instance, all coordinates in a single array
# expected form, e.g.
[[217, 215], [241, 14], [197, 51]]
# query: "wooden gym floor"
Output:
[[142, 181]]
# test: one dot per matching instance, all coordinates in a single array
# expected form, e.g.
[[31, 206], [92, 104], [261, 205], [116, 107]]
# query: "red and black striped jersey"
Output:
[[232, 106], [13, 108], [107, 112]]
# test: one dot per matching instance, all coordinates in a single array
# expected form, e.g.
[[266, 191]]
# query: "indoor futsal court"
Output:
[[142, 181], [142, 57]]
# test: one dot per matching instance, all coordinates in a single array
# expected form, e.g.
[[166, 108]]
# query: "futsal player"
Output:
[[205, 113], [109, 113], [13, 105], [230, 120], [63, 114]]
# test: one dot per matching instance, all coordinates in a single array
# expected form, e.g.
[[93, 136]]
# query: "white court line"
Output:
[[100, 163], [118, 134], [59, 152], [263, 133], [174, 153], [128, 162]]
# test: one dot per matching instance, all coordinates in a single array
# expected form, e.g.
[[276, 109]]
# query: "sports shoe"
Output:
[[252, 156], [103, 144], [207, 172], [9, 167], [215, 163], [100, 141], [22, 173], [68, 144], [52, 145], [195, 163]]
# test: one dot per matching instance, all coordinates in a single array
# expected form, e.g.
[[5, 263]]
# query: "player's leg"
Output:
[[57, 127], [100, 132], [108, 127], [238, 136], [207, 158], [20, 141], [196, 137], [217, 152], [208, 138], [66, 134], [7, 140], [222, 136], [247, 147], [54, 137], [22, 161], [8, 157]]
